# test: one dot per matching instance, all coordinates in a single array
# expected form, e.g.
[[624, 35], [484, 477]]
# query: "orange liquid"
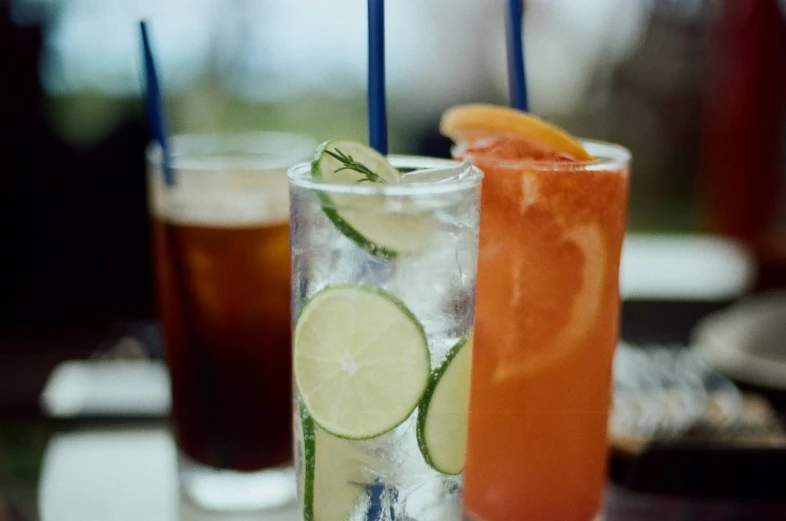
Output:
[[546, 326]]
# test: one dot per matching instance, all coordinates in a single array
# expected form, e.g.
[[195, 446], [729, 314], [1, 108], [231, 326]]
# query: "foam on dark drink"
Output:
[[222, 275]]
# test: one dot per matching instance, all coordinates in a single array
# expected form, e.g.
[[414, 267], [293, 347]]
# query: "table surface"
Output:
[[122, 471], [87, 468], [84, 468]]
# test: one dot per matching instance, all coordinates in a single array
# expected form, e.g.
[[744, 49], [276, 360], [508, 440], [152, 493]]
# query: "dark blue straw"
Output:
[[517, 81], [155, 105], [377, 114]]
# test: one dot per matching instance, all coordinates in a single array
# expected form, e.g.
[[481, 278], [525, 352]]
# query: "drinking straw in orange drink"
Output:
[[552, 224]]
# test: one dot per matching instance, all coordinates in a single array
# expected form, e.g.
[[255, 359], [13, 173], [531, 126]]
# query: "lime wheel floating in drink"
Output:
[[363, 219], [332, 481], [361, 360], [442, 416]]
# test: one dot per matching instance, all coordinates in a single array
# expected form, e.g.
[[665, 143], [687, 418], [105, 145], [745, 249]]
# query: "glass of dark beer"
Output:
[[221, 257]]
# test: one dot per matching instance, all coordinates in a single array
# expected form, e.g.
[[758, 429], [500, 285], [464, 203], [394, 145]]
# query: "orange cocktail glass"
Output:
[[546, 327]]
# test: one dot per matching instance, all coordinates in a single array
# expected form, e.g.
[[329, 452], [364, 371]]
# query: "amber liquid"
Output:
[[223, 297], [546, 326]]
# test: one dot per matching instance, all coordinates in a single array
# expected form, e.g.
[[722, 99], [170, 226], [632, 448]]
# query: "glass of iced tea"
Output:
[[221, 255]]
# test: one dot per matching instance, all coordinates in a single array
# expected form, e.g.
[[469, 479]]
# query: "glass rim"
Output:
[[300, 175], [608, 156], [278, 149]]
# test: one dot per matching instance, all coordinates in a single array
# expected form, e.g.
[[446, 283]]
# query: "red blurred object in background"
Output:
[[742, 180]]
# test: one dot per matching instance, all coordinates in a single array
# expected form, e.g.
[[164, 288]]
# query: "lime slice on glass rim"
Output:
[[348, 161], [382, 234], [361, 361], [330, 490], [443, 413]]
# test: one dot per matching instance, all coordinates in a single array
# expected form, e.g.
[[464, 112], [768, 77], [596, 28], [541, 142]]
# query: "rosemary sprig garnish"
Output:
[[356, 166]]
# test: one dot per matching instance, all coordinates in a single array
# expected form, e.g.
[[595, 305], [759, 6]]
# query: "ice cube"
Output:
[[437, 175]]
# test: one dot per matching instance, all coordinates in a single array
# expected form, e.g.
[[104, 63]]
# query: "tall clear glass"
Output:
[[547, 319], [221, 255], [383, 284]]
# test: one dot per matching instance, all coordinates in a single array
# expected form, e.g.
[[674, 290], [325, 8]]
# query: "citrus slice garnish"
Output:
[[581, 315], [358, 217], [527, 136], [332, 484], [361, 361], [443, 413]]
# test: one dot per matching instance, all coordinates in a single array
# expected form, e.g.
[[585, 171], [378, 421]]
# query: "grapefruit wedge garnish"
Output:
[[509, 133], [553, 282], [582, 308]]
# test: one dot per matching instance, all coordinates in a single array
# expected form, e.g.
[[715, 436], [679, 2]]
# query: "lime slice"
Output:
[[309, 461], [442, 419], [383, 234], [332, 485], [361, 360], [346, 161]]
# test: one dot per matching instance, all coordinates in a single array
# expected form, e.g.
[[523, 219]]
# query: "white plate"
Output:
[[684, 267], [122, 473], [107, 388], [747, 341]]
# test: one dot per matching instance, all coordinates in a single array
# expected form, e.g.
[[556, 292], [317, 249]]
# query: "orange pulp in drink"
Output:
[[546, 317]]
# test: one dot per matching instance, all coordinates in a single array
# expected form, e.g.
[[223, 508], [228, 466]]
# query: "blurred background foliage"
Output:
[[636, 72], [626, 71]]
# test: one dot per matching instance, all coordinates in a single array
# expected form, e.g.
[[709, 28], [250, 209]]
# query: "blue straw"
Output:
[[517, 81], [154, 105], [377, 114]]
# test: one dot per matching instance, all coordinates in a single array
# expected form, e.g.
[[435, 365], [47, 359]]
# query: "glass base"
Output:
[[223, 490]]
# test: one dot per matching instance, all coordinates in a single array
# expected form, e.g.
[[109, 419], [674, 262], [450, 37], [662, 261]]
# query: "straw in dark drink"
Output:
[[517, 81], [154, 104], [377, 113]]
